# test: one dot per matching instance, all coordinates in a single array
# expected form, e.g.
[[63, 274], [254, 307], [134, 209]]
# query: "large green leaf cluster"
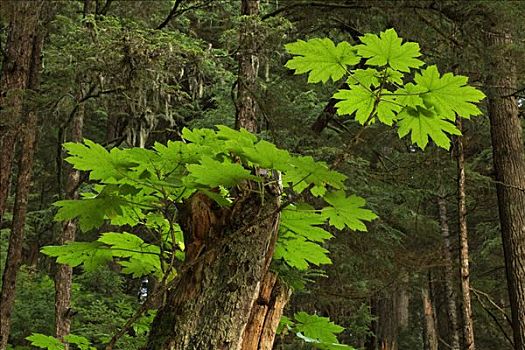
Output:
[[141, 188], [394, 88], [316, 330]]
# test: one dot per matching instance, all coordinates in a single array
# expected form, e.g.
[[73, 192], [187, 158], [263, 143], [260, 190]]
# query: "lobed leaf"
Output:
[[321, 58]]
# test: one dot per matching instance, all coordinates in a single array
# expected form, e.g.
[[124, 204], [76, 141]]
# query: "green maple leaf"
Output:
[[45, 342], [387, 109], [213, 173], [297, 252], [90, 254], [304, 171], [81, 342], [304, 221], [321, 58], [347, 211], [266, 155], [387, 49], [364, 77], [317, 327], [362, 101], [143, 258], [424, 124], [410, 95], [449, 94], [109, 167], [92, 212], [357, 99], [236, 140]]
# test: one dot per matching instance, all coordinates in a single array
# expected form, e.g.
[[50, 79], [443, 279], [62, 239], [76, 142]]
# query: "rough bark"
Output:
[[468, 324], [23, 20], [64, 272], [449, 276], [509, 164], [27, 133], [266, 314], [225, 264], [246, 116], [431, 335]]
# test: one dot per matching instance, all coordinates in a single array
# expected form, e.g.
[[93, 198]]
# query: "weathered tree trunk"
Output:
[[449, 276], [28, 14], [225, 264], [387, 329], [509, 164], [402, 302], [23, 20], [468, 325], [64, 272], [431, 334], [226, 293]]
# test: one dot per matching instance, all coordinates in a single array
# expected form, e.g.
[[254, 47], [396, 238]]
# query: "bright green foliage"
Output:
[[424, 124], [140, 188], [315, 330], [387, 49], [321, 58], [448, 94], [425, 108], [90, 254], [297, 252], [51, 343], [358, 99], [347, 211], [91, 211], [213, 173], [141, 258], [81, 342], [45, 342], [304, 221]]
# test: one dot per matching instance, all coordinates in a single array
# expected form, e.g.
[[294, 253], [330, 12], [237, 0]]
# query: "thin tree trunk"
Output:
[[64, 272], [468, 326], [449, 276], [27, 133], [431, 335], [509, 164], [246, 116], [23, 20]]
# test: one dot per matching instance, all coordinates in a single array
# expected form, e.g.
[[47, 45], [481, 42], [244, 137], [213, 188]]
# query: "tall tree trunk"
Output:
[[23, 20], [27, 133], [64, 272], [431, 334], [248, 62], [468, 325], [509, 164], [449, 276], [387, 330], [226, 272]]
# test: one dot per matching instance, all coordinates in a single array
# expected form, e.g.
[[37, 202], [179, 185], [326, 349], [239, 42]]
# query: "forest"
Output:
[[262, 174]]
